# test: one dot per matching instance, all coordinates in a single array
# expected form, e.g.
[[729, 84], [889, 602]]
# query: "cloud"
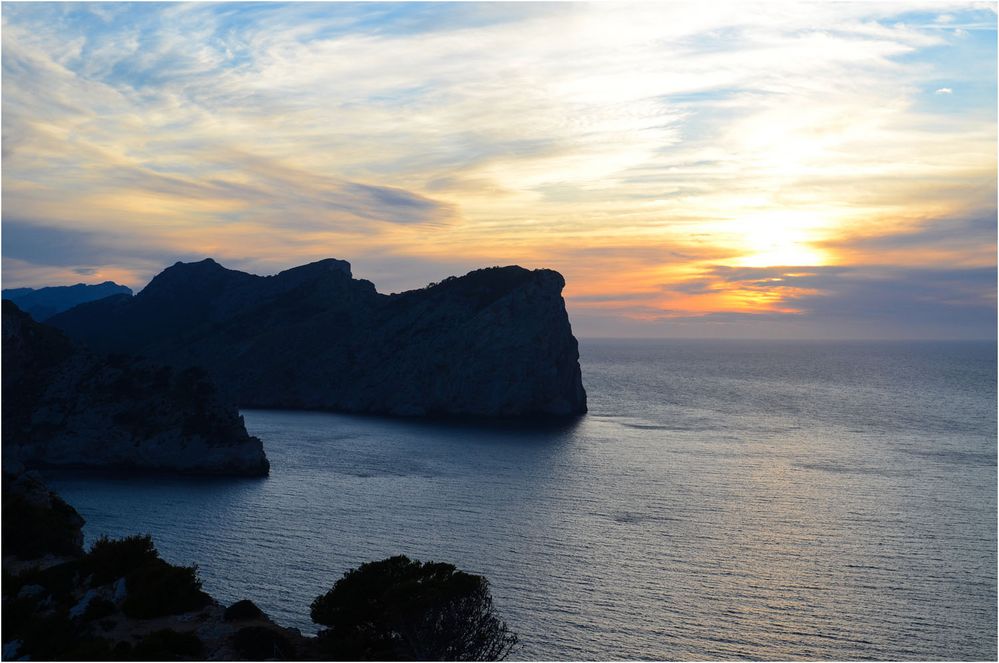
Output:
[[769, 279], [41, 255], [944, 90], [834, 303], [968, 238], [66, 247], [632, 147]]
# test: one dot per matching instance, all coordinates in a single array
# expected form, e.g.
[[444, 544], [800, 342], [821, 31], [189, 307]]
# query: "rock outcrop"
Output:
[[66, 406], [43, 303], [118, 601], [496, 342], [37, 523]]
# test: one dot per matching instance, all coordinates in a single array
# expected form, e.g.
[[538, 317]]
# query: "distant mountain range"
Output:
[[42, 303], [495, 342]]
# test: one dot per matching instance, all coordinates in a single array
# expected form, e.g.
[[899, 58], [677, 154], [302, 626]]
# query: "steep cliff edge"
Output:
[[495, 342], [66, 406]]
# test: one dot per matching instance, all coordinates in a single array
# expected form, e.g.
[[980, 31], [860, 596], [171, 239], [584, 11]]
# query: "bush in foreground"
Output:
[[110, 559], [402, 609], [157, 589]]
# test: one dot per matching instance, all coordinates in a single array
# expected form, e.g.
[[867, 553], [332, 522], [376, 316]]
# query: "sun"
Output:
[[779, 239], [782, 254]]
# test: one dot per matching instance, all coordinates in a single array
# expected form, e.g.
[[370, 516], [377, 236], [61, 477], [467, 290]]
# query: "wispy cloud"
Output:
[[629, 146]]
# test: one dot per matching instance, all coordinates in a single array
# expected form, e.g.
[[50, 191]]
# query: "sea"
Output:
[[720, 500]]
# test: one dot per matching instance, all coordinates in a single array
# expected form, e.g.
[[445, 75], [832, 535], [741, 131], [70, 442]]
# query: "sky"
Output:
[[773, 170]]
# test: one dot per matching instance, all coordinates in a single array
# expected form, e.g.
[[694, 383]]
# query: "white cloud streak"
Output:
[[516, 133]]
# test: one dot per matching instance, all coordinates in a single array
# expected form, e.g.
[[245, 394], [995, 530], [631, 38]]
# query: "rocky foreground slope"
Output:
[[117, 601], [495, 342], [120, 601], [66, 406]]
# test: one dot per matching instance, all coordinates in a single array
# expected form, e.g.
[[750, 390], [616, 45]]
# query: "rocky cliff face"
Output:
[[65, 406], [43, 303], [495, 342]]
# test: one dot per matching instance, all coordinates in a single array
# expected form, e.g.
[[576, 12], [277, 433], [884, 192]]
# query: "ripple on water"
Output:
[[721, 500]]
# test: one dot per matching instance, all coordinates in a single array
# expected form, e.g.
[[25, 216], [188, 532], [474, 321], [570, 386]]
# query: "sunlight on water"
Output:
[[721, 500]]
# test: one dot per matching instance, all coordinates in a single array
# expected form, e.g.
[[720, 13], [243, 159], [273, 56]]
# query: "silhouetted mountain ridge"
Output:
[[495, 342], [43, 303]]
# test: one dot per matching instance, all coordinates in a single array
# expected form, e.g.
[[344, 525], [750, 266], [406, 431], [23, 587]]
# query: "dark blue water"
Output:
[[721, 500]]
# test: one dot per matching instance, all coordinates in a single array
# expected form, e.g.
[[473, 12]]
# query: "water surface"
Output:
[[720, 500]]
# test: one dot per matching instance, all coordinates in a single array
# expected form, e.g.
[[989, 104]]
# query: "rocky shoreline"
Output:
[[117, 601]]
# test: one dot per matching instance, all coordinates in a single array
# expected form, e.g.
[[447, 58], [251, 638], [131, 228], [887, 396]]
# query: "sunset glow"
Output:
[[779, 169]]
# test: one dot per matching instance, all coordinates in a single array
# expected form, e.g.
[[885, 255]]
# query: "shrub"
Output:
[[401, 609], [242, 611], [110, 559], [259, 643], [157, 588], [167, 645]]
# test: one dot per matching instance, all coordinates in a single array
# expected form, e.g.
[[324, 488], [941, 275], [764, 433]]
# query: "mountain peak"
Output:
[[321, 266], [206, 264], [194, 277]]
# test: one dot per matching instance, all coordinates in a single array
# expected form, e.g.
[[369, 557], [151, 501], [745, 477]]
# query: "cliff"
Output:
[[495, 342], [66, 406], [43, 303]]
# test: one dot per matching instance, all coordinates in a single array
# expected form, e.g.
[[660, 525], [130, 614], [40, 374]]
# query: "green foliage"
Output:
[[157, 588], [167, 645], [110, 559], [259, 643], [401, 609]]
